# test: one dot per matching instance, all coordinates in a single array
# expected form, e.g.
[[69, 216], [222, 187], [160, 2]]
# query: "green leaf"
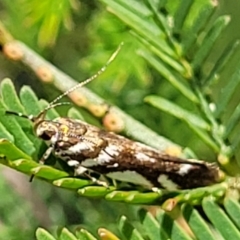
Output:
[[171, 228], [95, 191], [66, 235], [169, 76], [151, 226], [209, 40], [42, 234], [85, 235], [5, 134], [11, 152], [181, 14], [220, 64], [232, 207], [134, 197], [47, 172], [220, 220], [197, 224], [227, 93], [29, 100], [71, 183], [232, 121], [128, 230], [175, 110], [32, 107], [160, 19], [15, 158], [199, 22], [165, 58], [9, 96], [15, 128]]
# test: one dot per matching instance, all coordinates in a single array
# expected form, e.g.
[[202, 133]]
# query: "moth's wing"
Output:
[[115, 154], [154, 166]]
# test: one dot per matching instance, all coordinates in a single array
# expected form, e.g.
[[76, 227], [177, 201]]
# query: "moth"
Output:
[[89, 150]]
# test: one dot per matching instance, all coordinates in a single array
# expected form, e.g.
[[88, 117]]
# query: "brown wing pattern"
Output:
[[114, 153]]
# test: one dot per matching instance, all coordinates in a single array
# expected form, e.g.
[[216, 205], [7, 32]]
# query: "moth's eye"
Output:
[[45, 136]]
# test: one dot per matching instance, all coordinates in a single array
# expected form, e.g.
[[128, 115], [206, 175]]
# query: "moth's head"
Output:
[[46, 130]]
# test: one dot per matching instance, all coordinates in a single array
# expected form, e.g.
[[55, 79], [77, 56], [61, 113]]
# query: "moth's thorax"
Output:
[[59, 129], [71, 139]]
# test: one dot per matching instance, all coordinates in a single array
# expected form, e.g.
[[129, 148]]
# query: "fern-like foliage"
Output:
[[177, 40], [163, 227]]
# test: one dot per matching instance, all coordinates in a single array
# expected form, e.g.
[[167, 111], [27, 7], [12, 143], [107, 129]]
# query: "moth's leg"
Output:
[[80, 170], [43, 159], [115, 183], [46, 155], [106, 180], [97, 181], [50, 149]]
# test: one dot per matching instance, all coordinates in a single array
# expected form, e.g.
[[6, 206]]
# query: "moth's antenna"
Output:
[[55, 105], [81, 84]]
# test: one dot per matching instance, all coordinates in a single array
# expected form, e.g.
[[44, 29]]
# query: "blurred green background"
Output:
[[78, 38]]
